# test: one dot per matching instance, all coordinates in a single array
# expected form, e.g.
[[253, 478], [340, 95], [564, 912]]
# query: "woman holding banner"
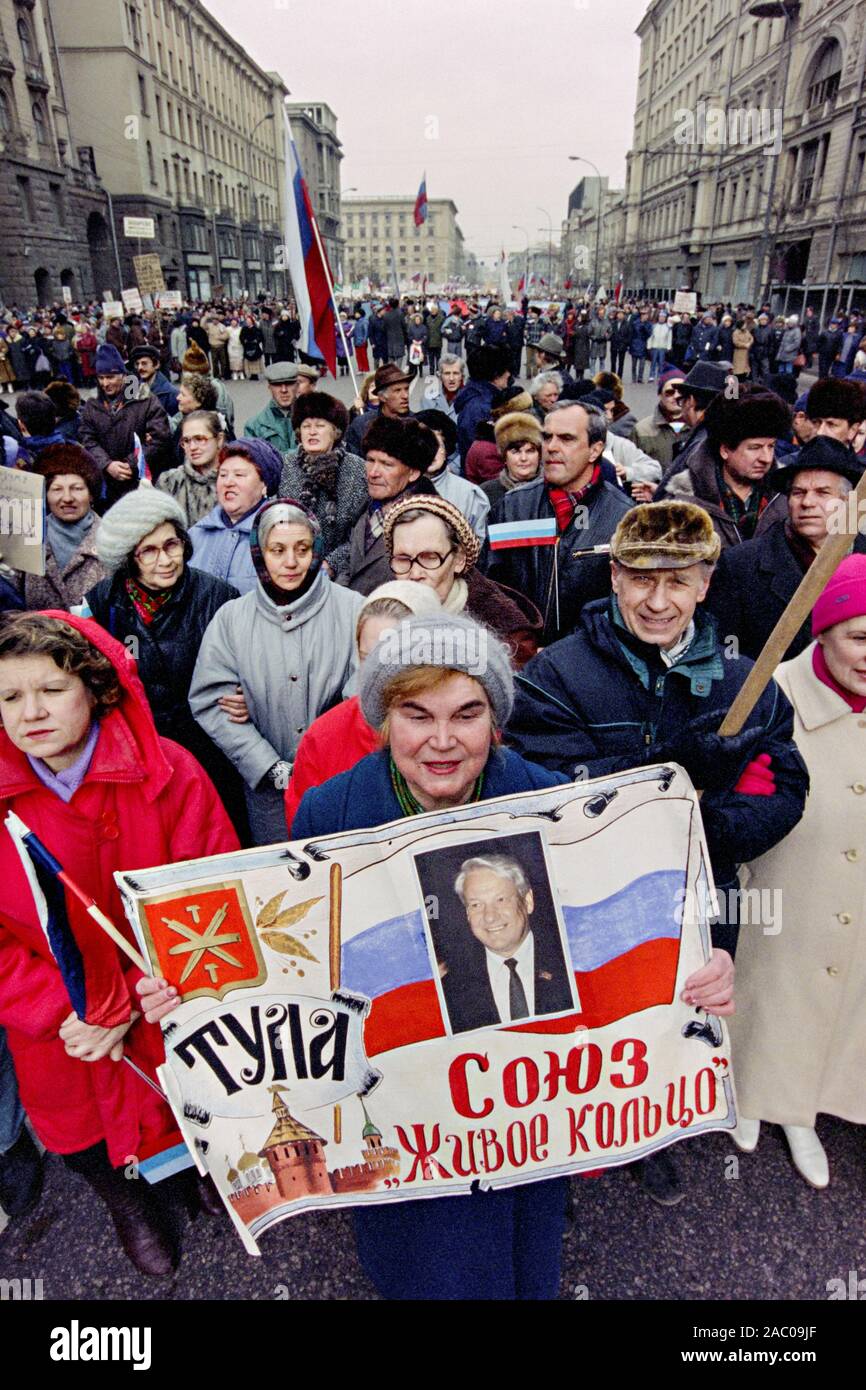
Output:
[[82, 764]]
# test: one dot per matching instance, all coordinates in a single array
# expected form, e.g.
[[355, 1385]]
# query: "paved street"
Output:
[[749, 1228]]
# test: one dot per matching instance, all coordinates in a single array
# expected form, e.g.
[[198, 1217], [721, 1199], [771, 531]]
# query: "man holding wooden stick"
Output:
[[646, 679]]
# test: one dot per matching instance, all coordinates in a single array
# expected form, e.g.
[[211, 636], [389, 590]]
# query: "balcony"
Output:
[[34, 75]]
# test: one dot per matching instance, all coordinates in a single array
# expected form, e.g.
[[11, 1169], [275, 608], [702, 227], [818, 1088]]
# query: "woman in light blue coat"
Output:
[[248, 472], [275, 659]]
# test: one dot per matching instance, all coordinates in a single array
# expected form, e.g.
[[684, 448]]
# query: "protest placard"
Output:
[[341, 1039], [132, 300], [685, 302], [148, 273], [22, 520]]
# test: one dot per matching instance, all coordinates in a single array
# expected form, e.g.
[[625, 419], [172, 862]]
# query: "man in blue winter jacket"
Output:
[[646, 679]]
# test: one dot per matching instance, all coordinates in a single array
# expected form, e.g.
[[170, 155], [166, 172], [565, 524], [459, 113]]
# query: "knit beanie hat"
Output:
[[58, 459], [518, 427], [437, 506], [672, 374], [445, 641], [259, 452], [844, 596], [108, 361], [195, 360], [133, 517]]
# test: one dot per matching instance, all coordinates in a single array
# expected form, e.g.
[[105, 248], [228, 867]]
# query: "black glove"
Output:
[[713, 762]]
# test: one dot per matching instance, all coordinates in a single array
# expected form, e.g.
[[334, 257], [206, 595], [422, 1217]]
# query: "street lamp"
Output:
[[549, 247], [515, 228], [787, 10], [581, 159]]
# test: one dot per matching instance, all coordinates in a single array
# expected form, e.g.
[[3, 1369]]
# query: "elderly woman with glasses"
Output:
[[154, 602], [430, 542], [439, 719]]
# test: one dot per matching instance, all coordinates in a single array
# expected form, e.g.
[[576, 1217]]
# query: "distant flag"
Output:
[[393, 260], [618, 289], [308, 268], [506, 535], [141, 461], [424, 285], [421, 203], [504, 286], [568, 284], [416, 277], [521, 284], [531, 279]]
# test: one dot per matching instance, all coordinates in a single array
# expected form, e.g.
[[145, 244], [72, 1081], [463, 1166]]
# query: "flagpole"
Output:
[[105, 923]]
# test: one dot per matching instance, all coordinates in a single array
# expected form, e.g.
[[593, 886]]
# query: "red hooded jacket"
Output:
[[144, 801]]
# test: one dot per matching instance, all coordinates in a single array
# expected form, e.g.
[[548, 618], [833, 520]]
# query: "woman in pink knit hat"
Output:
[[799, 1034]]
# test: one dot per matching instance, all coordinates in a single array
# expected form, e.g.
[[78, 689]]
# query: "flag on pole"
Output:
[[393, 260], [421, 203], [505, 535], [618, 289], [306, 265], [504, 286], [521, 284], [141, 463], [416, 277]]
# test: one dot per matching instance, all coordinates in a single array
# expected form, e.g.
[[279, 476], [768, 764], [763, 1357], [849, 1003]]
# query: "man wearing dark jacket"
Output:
[[113, 417], [397, 453], [727, 475], [586, 509], [392, 390], [754, 582], [395, 331], [645, 680], [489, 371], [144, 361]]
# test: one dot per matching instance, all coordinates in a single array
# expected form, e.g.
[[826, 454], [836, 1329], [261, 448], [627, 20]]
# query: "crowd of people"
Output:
[[202, 665]]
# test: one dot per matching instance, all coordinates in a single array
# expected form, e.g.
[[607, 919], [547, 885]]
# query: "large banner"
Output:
[[484, 995]]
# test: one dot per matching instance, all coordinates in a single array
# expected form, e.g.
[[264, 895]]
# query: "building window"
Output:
[[6, 126], [142, 95], [826, 76], [26, 194], [26, 39], [151, 167], [40, 125], [56, 192]]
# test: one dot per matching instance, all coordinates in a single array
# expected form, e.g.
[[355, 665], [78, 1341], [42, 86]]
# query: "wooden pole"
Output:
[[814, 581], [334, 950], [105, 923]]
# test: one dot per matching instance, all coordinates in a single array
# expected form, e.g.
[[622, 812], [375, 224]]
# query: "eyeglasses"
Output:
[[428, 560], [190, 439], [671, 391], [151, 553]]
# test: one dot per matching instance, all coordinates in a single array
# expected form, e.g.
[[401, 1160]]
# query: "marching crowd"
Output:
[[253, 571]]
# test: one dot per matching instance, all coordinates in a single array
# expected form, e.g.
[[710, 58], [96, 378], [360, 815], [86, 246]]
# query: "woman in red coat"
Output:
[[82, 765]]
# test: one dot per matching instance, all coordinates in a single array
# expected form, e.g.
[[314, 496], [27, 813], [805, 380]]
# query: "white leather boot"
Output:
[[746, 1134], [807, 1154]]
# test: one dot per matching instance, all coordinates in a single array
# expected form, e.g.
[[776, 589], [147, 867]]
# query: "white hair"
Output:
[[452, 361], [499, 864], [545, 379]]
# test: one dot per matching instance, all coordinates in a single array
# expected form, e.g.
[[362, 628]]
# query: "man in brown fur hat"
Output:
[[645, 679]]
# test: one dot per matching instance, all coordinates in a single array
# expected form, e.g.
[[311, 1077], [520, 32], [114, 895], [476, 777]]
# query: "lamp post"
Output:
[[515, 228], [787, 10], [549, 247], [580, 159]]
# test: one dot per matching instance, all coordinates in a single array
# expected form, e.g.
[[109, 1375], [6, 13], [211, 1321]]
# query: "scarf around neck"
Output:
[[408, 802], [147, 602], [64, 537]]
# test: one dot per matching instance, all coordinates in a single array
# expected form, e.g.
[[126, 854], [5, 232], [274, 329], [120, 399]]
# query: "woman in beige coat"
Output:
[[742, 338], [799, 1034]]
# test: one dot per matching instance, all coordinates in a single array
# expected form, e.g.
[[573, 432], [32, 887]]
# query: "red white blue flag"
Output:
[[504, 535], [307, 264], [421, 203], [141, 464]]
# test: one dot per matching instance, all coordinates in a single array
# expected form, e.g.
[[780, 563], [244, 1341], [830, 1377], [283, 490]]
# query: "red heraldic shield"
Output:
[[204, 943]]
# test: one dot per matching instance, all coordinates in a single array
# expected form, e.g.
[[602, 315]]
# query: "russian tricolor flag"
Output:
[[624, 952], [504, 535], [307, 264], [141, 464], [421, 203]]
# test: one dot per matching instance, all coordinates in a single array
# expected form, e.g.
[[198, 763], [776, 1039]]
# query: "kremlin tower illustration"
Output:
[[291, 1164]]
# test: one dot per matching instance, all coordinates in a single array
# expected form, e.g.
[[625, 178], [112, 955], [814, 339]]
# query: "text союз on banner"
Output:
[[344, 1037]]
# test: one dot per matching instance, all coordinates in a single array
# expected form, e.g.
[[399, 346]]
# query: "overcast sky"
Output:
[[490, 97]]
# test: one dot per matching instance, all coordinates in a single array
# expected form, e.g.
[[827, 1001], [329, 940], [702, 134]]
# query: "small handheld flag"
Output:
[[141, 463], [421, 203], [505, 535]]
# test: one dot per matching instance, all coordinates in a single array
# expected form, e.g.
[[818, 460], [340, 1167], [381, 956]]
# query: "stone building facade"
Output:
[[183, 127], [51, 208], [748, 167], [371, 226]]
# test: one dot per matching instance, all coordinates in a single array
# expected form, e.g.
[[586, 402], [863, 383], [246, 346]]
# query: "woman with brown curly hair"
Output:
[[82, 764]]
